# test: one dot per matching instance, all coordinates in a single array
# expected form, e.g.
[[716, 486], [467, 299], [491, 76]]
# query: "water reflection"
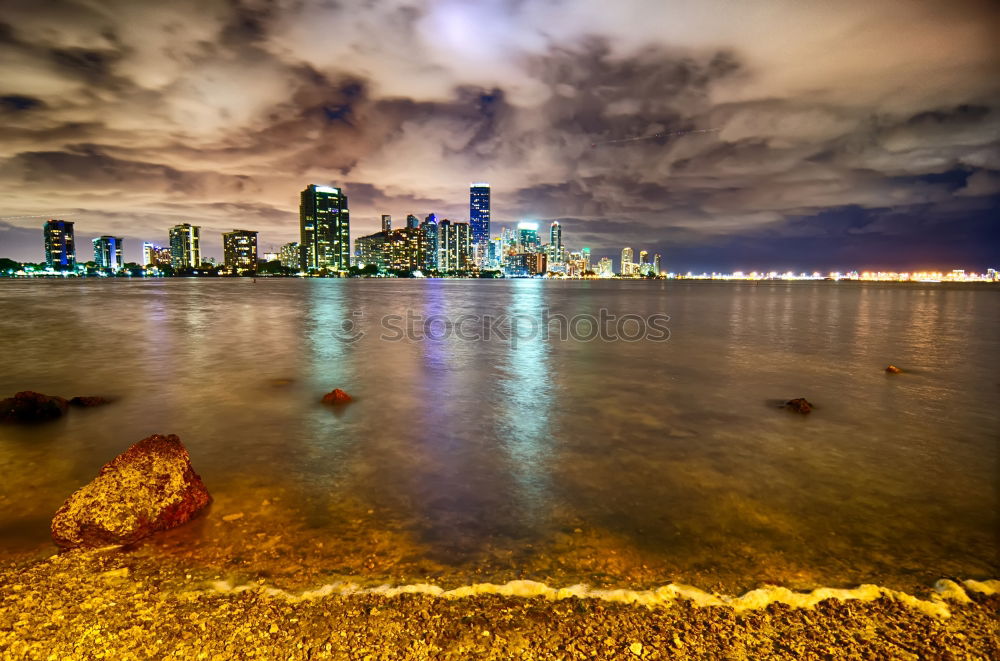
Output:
[[665, 451], [524, 427]]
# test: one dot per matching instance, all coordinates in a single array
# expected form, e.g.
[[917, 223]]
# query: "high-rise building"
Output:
[[575, 266], [585, 256], [429, 244], [536, 263], [108, 253], [657, 267], [240, 251], [604, 268], [404, 249], [290, 255], [527, 236], [627, 265], [370, 249], [154, 255], [555, 236], [386, 222], [325, 229], [60, 246], [397, 250], [454, 246], [479, 217], [185, 246], [412, 221]]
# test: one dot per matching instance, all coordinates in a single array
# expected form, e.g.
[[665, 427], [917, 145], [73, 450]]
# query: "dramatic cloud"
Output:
[[856, 134]]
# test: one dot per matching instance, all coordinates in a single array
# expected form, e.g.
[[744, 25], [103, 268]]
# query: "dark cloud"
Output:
[[845, 135]]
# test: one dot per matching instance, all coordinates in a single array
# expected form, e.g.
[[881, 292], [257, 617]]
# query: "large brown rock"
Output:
[[29, 406], [148, 488]]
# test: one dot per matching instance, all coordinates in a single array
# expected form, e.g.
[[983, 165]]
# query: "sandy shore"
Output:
[[117, 605]]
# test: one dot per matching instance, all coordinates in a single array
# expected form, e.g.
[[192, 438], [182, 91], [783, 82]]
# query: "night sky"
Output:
[[851, 134]]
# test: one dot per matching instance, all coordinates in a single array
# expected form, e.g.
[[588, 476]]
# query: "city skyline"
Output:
[[722, 147], [431, 247]]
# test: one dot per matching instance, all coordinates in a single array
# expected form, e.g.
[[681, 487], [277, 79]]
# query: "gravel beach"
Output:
[[111, 604]]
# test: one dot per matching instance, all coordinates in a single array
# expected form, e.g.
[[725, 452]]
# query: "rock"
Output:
[[148, 488], [336, 396], [88, 402], [28, 406], [892, 369], [799, 405]]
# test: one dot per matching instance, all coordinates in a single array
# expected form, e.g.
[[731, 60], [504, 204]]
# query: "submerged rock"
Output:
[[892, 369], [148, 488], [336, 396], [88, 402], [799, 405], [29, 406]]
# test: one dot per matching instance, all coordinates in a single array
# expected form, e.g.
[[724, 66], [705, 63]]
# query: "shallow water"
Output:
[[624, 463]]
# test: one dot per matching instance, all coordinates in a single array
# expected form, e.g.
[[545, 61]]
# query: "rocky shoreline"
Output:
[[89, 604]]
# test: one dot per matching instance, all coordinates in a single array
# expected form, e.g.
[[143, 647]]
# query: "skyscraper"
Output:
[[240, 251], [290, 255], [627, 257], [412, 221], [185, 246], [386, 222], [60, 246], [429, 244], [148, 253], [479, 217], [371, 249], [555, 235], [454, 246], [656, 264], [604, 267], [324, 229], [108, 253], [585, 255], [527, 236]]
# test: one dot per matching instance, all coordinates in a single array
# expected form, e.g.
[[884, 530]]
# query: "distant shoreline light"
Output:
[[955, 275]]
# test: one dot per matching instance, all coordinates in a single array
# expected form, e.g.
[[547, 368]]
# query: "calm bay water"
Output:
[[618, 462]]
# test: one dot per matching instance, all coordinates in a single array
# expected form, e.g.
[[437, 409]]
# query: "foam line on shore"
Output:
[[945, 591]]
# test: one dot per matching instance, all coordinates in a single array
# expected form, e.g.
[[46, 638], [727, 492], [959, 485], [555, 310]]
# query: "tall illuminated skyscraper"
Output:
[[657, 267], [555, 236], [108, 253], [627, 257], [185, 246], [60, 246], [324, 229], [479, 218], [454, 246], [240, 251], [386, 222], [412, 222], [527, 236], [429, 248]]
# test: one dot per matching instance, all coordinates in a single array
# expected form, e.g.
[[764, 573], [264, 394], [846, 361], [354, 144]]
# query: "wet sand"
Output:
[[122, 605]]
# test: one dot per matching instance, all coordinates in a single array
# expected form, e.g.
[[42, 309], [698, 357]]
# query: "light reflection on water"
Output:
[[645, 461]]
